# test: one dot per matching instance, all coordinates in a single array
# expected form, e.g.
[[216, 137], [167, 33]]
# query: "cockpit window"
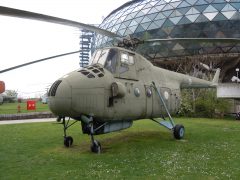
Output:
[[100, 56], [111, 61], [127, 59]]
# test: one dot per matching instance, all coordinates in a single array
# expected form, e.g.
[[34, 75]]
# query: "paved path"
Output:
[[27, 121]]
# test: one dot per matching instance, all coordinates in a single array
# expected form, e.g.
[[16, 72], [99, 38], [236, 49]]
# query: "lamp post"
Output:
[[237, 70]]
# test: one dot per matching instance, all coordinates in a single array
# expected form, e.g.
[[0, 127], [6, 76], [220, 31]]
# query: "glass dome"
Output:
[[151, 19]]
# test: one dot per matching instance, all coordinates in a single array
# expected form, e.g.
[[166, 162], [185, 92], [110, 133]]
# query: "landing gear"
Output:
[[96, 147], [178, 131], [68, 141]]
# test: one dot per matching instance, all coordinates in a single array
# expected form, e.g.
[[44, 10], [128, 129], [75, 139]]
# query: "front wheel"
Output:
[[68, 141], [178, 131]]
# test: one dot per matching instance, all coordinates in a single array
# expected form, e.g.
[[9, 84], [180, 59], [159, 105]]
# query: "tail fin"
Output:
[[216, 78]]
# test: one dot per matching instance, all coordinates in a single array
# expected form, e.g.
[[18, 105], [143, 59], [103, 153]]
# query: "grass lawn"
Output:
[[210, 150], [12, 108]]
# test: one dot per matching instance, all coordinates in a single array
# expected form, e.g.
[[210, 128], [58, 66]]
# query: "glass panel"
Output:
[[111, 61], [167, 13], [184, 20], [160, 16], [127, 32], [168, 23], [145, 25], [184, 4], [201, 2], [128, 17], [161, 2], [175, 20], [134, 14], [145, 19], [152, 26], [152, 16], [126, 23], [121, 32], [147, 6], [184, 10], [139, 29], [138, 20], [100, 56], [139, 14], [125, 59], [210, 16], [202, 18], [122, 26], [175, 14], [153, 10], [218, 6], [219, 17], [191, 1], [210, 9], [133, 28], [228, 14], [145, 11], [192, 11], [193, 17], [167, 7], [159, 8], [201, 8], [160, 22], [228, 7], [133, 23], [175, 4], [236, 5]]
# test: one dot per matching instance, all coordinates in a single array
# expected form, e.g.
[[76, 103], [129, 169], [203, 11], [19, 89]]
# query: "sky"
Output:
[[24, 40]]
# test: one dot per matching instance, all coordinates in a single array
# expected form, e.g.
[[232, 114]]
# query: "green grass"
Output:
[[12, 108], [210, 150]]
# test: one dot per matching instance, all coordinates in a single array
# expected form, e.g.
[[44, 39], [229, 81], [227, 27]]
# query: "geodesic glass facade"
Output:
[[152, 19]]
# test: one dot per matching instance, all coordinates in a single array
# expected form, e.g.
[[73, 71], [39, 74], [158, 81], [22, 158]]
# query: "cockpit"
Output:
[[118, 62]]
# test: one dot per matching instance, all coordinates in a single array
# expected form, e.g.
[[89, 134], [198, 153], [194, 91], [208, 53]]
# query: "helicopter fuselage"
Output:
[[126, 93]]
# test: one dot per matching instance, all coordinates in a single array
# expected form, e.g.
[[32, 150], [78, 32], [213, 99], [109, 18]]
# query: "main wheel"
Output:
[[68, 141], [178, 131], [238, 116], [96, 147]]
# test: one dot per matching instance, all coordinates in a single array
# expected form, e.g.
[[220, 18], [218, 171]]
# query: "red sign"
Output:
[[31, 105]]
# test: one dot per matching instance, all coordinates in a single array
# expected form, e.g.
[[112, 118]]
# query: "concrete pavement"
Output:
[[27, 121]]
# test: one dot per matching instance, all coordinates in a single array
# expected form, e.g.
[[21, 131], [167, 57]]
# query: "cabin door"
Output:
[[127, 68]]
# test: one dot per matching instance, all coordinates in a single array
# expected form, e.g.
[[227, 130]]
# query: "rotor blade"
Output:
[[37, 61], [6, 11], [197, 40]]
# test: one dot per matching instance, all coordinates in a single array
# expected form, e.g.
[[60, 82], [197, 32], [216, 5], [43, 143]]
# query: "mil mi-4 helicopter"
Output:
[[120, 86]]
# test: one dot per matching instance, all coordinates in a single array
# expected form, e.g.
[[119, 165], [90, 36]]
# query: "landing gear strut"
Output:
[[96, 146], [178, 130], [67, 140]]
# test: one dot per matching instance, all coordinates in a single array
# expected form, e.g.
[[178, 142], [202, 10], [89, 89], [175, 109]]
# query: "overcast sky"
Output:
[[26, 40]]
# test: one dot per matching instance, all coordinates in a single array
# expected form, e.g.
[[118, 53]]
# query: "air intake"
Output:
[[52, 91]]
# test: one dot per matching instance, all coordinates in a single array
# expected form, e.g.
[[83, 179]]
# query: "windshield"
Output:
[[106, 57], [100, 56]]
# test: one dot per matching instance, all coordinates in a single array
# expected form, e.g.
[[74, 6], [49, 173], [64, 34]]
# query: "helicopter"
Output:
[[118, 87]]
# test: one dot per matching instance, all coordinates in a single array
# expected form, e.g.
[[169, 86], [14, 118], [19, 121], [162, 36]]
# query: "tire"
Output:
[[178, 131], [68, 141], [238, 116], [96, 147]]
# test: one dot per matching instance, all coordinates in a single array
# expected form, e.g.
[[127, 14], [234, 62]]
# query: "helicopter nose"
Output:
[[60, 98]]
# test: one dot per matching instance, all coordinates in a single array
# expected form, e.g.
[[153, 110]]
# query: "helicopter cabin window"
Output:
[[111, 61], [126, 61], [100, 56]]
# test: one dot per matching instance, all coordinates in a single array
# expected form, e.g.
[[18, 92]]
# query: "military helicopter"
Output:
[[120, 86]]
